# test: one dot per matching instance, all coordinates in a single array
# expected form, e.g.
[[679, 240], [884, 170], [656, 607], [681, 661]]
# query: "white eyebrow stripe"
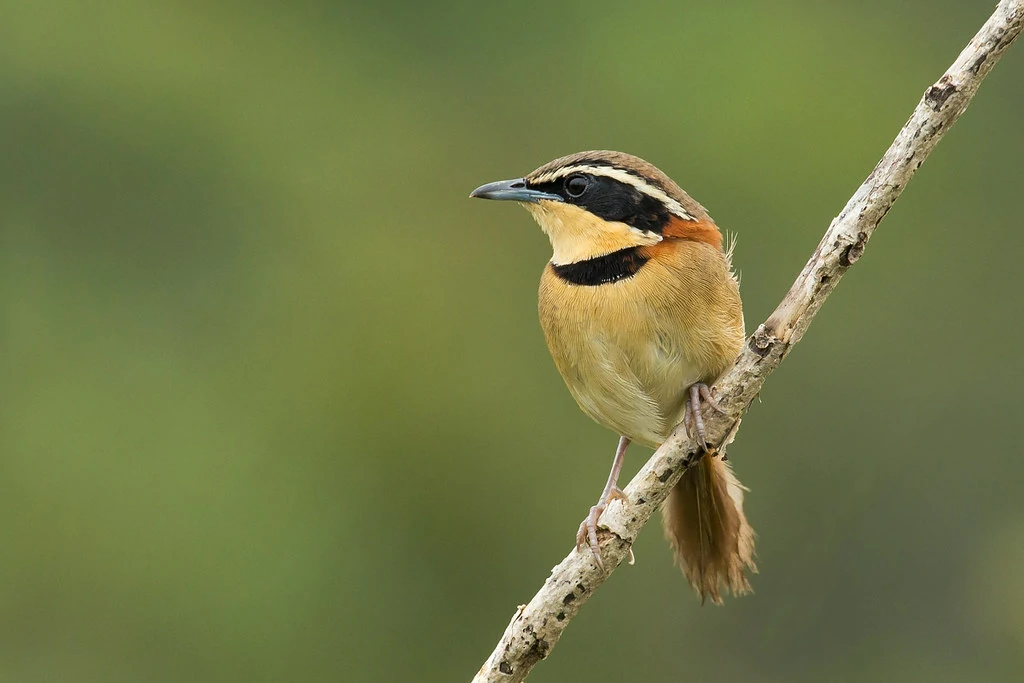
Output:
[[623, 177]]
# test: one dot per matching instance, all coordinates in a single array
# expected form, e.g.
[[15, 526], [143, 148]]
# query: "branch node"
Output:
[[761, 341], [937, 95], [853, 252]]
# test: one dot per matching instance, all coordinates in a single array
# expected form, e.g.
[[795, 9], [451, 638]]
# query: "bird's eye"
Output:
[[576, 185]]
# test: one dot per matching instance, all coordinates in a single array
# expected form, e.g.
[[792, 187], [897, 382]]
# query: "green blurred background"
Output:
[[274, 403]]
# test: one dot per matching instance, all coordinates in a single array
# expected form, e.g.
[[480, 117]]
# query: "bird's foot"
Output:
[[692, 420], [587, 535]]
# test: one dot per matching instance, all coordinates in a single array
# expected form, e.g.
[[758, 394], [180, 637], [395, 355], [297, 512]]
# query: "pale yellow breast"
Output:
[[629, 349]]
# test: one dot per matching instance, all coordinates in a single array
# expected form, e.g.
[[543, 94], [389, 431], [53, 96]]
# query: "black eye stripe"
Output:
[[587, 162], [613, 200]]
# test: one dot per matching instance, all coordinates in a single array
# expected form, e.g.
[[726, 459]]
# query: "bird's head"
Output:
[[595, 203]]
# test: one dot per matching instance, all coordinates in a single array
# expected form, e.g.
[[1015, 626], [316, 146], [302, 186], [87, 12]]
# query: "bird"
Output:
[[641, 311]]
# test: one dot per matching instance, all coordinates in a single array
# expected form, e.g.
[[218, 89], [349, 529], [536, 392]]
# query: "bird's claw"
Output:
[[692, 420], [587, 534]]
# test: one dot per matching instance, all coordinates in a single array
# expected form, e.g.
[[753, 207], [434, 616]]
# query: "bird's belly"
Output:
[[625, 374]]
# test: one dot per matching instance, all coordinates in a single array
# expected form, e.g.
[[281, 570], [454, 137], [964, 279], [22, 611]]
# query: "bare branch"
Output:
[[537, 626]]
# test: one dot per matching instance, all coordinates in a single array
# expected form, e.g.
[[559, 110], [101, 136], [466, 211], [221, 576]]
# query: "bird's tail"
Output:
[[705, 524]]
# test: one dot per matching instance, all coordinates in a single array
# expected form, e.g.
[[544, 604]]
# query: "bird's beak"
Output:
[[512, 190]]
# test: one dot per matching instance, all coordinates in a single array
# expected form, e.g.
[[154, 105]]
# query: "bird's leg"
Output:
[[588, 528], [692, 419]]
